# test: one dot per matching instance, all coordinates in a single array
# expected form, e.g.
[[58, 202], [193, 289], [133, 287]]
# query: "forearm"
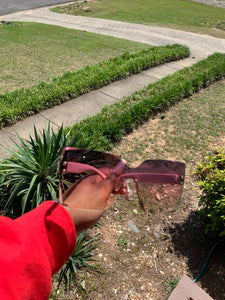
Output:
[[83, 218]]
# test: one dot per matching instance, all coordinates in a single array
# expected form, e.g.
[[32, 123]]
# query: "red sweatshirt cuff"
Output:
[[34, 247], [53, 229]]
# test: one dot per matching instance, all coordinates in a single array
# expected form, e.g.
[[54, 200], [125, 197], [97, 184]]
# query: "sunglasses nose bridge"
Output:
[[119, 167]]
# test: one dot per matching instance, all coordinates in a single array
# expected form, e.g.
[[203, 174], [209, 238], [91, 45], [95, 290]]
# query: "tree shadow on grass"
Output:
[[190, 241]]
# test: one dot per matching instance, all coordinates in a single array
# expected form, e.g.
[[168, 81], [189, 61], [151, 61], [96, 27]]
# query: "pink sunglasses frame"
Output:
[[137, 174]]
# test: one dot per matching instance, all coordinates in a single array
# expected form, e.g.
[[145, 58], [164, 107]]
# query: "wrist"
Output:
[[83, 218]]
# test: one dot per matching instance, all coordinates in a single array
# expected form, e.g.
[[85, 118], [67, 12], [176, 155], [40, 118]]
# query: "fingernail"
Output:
[[118, 187]]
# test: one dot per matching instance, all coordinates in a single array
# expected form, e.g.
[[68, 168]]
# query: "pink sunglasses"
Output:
[[158, 183]]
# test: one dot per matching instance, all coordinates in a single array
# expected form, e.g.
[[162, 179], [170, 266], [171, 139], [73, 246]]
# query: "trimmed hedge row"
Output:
[[108, 126], [24, 102]]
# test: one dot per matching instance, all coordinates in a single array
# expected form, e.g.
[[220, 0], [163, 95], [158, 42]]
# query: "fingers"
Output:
[[112, 184], [93, 192]]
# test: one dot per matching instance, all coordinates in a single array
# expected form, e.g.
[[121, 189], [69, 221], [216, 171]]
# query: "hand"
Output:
[[91, 197]]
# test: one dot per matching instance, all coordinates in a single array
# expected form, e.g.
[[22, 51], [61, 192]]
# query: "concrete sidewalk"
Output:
[[89, 104]]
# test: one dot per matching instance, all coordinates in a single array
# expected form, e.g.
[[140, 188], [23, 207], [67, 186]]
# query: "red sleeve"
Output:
[[32, 248]]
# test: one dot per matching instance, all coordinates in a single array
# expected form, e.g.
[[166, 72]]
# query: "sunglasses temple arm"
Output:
[[154, 178], [77, 168]]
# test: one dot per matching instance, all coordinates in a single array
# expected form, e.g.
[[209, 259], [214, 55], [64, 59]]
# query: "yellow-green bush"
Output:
[[211, 180]]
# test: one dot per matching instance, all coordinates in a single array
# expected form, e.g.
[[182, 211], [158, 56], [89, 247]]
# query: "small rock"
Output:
[[157, 231], [83, 284], [132, 226]]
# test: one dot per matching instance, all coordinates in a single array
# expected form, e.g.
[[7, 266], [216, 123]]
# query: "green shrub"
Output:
[[211, 181]]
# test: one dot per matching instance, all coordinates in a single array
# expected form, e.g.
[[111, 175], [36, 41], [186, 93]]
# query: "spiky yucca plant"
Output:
[[31, 173], [79, 259]]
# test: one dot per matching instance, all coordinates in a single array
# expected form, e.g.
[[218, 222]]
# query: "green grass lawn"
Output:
[[30, 53], [180, 14]]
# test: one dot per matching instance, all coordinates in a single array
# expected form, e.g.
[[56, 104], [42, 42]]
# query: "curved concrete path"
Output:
[[77, 109]]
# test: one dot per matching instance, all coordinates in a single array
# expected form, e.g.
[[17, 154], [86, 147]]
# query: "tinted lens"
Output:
[[163, 166], [93, 158], [157, 197]]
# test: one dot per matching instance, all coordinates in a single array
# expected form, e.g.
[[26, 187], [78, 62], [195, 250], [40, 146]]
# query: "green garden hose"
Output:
[[207, 259]]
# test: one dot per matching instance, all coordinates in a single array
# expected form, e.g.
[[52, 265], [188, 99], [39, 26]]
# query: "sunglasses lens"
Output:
[[164, 167], [93, 158], [157, 197]]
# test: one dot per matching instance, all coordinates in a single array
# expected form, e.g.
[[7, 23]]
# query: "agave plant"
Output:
[[80, 258], [30, 175]]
